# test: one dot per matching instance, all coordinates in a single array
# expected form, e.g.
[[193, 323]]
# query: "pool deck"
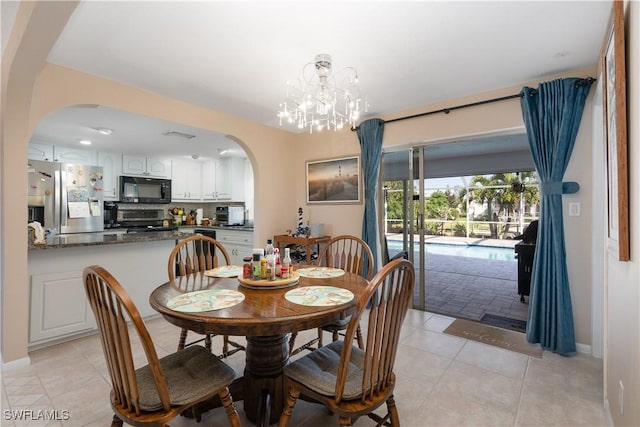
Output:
[[466, 287], [463, 241]]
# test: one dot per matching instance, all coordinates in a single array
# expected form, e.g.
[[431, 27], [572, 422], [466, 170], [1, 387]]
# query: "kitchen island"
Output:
[[59, 310], [106, 238]]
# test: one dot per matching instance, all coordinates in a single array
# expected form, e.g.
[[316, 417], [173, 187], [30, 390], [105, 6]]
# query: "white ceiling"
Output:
[[237, 56]]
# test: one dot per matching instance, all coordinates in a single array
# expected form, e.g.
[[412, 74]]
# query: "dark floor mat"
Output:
[[504, 322]]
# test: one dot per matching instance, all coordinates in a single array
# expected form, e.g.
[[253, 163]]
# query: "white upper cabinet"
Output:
[[75, 155], [111, 169], [42, 152], [223, 180], [236, 178], [51, 153], [151, 167], [209, 181], [186, 181]]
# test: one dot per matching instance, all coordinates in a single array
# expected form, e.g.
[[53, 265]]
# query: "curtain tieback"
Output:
[[559, 187]]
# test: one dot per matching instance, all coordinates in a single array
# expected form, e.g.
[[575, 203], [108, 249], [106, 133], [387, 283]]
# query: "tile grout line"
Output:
[[524, 382]]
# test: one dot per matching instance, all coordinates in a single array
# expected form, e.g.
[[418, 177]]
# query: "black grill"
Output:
[[525, 252]]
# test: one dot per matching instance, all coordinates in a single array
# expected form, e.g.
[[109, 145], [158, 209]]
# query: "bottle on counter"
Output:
[[256, 264], [277, 271], [247, 268], [269, 253], [286, 264], [263, 268]]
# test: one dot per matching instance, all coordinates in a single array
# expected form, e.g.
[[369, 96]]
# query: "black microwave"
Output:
[[137, 189]]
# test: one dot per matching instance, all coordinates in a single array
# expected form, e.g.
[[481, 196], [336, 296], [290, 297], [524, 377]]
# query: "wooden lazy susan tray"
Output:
[[270, 284]]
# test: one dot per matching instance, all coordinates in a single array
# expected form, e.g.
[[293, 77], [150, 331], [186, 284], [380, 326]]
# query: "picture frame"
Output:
[[334, 181], [613, 75]]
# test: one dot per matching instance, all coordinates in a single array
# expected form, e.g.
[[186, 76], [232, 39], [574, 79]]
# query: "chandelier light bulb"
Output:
[[331, 98]]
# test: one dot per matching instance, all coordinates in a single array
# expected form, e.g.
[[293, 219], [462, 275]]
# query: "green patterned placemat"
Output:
[[320, 272], [225, 271], [207, 300], [319, 295]]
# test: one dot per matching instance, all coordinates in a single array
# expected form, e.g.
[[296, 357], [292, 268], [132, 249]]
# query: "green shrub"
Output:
[[459, 229]]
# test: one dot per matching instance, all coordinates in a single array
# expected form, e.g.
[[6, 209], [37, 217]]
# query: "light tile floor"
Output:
[[442, 381]]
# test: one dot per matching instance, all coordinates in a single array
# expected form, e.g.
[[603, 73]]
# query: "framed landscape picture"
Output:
[[613, 74], [334, 180]]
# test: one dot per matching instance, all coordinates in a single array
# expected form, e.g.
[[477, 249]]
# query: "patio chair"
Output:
[[385, 253], [349, 381], [162, 389]]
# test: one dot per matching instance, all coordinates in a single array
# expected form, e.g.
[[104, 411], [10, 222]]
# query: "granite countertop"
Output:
[[106, 238], [111, 237], [221, 227]]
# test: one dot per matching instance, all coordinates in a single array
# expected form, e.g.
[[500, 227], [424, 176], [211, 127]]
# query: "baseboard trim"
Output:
[[583, 348], [25, 362]]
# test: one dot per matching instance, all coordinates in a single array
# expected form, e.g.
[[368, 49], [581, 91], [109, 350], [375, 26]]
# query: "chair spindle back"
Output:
[[112, 306], [349, 253], [194, 254], [390, 294]]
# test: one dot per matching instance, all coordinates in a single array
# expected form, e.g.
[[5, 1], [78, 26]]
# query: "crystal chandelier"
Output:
[[323, 99]]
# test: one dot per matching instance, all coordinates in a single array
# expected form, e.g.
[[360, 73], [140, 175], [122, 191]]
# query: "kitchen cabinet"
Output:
[[58, 303], [186, 182], [74, 155], [111, 170], [235, 175], [42, 152], [210, 182], [238, 243], [56, 153], [152, 167], [224, 179], [59, 306]]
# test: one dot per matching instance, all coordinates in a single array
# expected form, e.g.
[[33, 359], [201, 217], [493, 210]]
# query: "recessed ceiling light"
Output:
[[105, 131], [85, 142]]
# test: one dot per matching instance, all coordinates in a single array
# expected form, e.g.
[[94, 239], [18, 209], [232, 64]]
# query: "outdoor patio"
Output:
[[467, 287]]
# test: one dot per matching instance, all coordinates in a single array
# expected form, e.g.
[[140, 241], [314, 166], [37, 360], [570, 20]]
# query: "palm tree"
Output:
[[485, 191]]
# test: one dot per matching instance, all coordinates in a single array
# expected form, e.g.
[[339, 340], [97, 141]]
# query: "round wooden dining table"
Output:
[[266, 318]]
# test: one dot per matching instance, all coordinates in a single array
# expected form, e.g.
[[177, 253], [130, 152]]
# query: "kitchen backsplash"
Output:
[[208, 209]]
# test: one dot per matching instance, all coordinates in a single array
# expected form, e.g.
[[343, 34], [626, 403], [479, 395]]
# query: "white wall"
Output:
[[622, 350]]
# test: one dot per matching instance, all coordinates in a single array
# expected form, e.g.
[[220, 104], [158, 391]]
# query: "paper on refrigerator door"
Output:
[[79, 210], [96, 209]]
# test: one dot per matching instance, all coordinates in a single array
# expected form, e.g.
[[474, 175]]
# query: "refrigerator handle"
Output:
[[61, 185]]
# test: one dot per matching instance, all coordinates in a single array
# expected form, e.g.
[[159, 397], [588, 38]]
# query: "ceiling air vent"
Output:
[[179, 134]]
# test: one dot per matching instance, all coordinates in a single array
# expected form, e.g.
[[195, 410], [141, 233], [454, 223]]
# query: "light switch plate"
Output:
[[574, 209]]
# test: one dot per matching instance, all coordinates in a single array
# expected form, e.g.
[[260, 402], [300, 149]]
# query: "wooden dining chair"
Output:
[[351, 381], [353, 255], [157, 392], [195, 254]]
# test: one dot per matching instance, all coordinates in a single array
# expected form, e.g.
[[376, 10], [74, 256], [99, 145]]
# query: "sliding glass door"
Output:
[[455, 209], [403, 216]]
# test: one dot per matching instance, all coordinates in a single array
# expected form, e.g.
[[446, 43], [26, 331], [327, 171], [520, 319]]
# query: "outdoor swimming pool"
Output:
[[482, 252]]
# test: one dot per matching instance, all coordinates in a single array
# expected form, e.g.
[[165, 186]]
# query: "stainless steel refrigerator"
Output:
[[65, 197]]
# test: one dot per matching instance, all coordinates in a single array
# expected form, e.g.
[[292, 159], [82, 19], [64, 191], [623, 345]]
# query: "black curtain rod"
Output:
[[450, 109], [586, 81], [457, 107]]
